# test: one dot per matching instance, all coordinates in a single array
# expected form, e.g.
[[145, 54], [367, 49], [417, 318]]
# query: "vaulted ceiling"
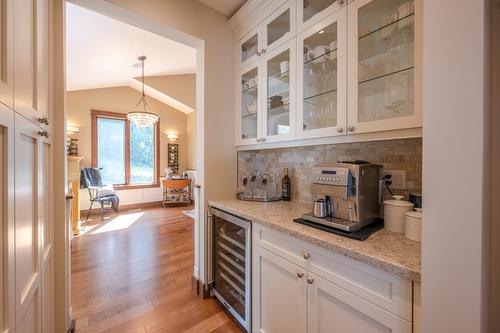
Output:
[[225, 7]]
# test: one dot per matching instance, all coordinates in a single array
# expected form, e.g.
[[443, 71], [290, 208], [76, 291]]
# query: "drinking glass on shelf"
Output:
[[325, 71]]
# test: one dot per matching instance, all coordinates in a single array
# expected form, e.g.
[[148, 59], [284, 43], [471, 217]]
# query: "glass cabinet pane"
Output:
[[278, 94], [278, 27], [249, 104], [249, 48], [320, 79], [313, 7], [385, 60]]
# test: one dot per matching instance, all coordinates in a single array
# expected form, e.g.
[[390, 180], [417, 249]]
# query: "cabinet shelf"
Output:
[[250, 115], [249, 90], [279, 76], [386, 75], [315, 58], [309, 98], [386, 26]]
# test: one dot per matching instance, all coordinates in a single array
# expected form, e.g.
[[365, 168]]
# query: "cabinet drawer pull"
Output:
[[307, 255], [43, 133], [44, 121], [310, 280], [300, 275]]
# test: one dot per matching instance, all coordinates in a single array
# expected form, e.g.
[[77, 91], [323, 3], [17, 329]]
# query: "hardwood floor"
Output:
[[132, 274]]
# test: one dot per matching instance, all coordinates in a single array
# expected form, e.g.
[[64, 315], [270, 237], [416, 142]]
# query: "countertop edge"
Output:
[[356, 255]]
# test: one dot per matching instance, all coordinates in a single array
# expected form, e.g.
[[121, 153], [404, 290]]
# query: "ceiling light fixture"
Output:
[[142, 118]]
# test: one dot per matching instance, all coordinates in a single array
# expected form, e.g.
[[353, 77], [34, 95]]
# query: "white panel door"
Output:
[[332, 309], [47, 226], [7, 315], [31, 51], [6, 53], [279, 294], [28, 229]]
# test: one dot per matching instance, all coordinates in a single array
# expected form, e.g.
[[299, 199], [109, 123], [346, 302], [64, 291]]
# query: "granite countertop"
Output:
[[387, 250]]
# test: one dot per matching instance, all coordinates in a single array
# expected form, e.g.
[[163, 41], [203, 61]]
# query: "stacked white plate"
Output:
[[394, 213], [413, 225]]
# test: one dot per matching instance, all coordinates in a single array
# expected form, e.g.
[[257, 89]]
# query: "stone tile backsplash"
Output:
[[404, 154]]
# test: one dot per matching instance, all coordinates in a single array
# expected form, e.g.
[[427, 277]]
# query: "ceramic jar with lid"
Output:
[[394, 213], [413, 225]]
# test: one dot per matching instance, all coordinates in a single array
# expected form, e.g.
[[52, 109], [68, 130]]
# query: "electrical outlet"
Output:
[[398, 179]]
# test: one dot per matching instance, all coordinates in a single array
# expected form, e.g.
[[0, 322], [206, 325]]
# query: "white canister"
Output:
[[413, 225], [394, 213]]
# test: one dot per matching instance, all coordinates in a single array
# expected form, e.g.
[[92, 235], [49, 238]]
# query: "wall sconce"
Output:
[[72, 129], [172, 136]]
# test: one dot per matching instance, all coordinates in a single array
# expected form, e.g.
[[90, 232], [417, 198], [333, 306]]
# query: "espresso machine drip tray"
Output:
[[333, 222]]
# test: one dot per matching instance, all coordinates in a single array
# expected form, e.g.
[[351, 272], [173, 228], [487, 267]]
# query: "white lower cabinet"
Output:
[[279, 294], [294, 290], [331, 308]]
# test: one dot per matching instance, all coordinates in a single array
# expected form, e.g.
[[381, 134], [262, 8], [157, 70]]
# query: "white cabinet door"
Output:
[[279, 294], [7, 296], [310, 12], [321, 77], [28, 227], [46, 223], [31, 52], [384, 65], [249, 100], [249, 47], [279, 27], [7, 53], [278, 116], [332, 309]]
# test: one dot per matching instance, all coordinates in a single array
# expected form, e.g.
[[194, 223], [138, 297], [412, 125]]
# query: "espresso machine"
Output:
[[347, 195]]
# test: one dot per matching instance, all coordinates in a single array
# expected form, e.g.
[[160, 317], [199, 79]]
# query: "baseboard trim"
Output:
[[124, 208]]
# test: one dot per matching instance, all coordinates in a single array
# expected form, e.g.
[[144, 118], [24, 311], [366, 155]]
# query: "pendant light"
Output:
[[142, 118]]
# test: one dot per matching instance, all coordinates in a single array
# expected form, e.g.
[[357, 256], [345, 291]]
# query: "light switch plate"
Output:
[[398, 179]]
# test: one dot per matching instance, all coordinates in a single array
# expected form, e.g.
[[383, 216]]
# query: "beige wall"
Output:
[[194, 18], [191, 141], [180, 87], [123, 100]]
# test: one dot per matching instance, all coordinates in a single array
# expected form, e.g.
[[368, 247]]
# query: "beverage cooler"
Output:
[[232, 265]]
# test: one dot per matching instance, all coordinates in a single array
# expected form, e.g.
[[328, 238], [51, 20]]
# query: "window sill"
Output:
[[135, 186]]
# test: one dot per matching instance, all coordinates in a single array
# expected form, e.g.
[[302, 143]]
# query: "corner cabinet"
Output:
[[298, 287], [319, 69]]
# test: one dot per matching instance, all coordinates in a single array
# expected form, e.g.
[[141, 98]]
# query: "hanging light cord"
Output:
[[143, 97]]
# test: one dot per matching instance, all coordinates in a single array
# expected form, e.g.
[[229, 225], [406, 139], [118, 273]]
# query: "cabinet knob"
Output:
[[43, 133], [307, 255], [44, 121], [263, 140], [340, 2], [258, 53], [300, 275], [263, 51], [310, 280], [340, 129], [258, 140], [351, 128]]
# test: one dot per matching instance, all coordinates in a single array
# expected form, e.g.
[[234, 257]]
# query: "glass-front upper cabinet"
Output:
[[275, 30], [384, 66], [279, 26], [310, 12], [249, 47], [321, 96], [248, 120], [278, 120]]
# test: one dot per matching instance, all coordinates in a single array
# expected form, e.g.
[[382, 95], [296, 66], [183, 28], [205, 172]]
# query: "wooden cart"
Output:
[[176, 191]]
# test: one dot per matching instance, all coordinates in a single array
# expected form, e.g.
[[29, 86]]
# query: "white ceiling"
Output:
[[225, 7], [101, 51]]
